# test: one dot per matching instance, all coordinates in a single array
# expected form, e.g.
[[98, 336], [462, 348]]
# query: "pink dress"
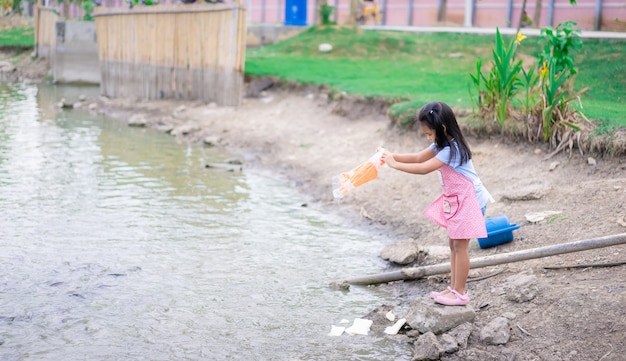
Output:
[[457, 209]]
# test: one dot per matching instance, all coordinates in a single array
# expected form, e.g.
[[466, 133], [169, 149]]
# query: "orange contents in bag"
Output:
[[365, 172]]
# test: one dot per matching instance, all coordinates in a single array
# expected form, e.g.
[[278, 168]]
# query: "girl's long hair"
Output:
[[440, 118]]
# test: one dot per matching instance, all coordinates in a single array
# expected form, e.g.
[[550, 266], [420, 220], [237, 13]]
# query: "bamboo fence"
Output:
[[174, 51], [45, 31]]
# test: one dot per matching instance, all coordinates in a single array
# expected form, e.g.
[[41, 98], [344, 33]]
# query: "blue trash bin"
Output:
[[295, 12]]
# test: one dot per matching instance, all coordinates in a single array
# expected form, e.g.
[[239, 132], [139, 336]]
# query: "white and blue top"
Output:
[[466, 169]]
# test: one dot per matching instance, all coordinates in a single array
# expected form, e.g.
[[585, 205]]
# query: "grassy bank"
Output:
[[426, 67], [413, 66], [17, 37]]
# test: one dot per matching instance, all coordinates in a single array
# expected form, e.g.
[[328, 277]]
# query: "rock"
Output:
[[325, 48], [137, 120], [6, 67], [211, 141], [257, 85], [436, 253], [235, 161], [427, 347], [521, 287], [591, 161], [93, 106], [496, 332], [379, 317], [448, 343], [82, 97], [426, 316], [343, 285], [554, 165], [532, 191], [509, 316], [63, 104], [184, 129], [401, 252], [462, 333]]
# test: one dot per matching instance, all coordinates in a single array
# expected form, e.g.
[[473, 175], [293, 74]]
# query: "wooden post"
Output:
[[413, 273]]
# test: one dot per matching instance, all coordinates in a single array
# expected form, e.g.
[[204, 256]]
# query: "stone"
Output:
[[496, 332], [137, 120], [401, 252], [427, 348], [426, 316], [521, 287], [532, 191], [448, 343], [462, 334]]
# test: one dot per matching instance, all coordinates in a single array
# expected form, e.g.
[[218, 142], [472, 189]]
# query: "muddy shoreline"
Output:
[[302, 135]]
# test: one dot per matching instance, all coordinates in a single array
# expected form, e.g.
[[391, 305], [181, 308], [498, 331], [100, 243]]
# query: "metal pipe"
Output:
[[551, 13], [598, 16], [412, 273], [509, 13]]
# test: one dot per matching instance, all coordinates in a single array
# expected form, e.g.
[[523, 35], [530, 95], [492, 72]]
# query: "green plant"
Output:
[[499, 88], [530, 81], [325, 12], [88, 7], [560, 44], [555, 102]]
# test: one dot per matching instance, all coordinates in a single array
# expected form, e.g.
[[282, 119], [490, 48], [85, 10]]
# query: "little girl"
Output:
[[461, 207]]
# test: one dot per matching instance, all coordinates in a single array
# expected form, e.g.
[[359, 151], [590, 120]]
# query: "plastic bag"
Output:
[[365, 172]]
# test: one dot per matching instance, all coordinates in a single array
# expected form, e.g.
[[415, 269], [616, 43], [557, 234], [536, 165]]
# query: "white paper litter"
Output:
[[336, 331], [360, 326], [393, 330], [535, 217], [390, 316]]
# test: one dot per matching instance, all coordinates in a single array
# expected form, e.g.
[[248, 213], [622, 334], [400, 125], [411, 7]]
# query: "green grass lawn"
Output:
[[17, 37], [426, 67]]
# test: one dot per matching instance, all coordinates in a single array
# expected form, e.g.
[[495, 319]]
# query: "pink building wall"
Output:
[[487, 13]]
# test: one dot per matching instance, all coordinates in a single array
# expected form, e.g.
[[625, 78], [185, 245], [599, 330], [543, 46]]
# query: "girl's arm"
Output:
[[415, 163]]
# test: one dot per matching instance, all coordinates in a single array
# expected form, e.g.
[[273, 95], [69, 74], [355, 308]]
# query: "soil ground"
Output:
[[301, 135]]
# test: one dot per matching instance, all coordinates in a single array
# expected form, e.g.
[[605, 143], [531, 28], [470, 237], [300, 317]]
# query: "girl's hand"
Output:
[[388, 158]]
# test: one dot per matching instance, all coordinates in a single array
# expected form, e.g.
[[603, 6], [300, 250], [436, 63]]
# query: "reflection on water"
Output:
[[117, 244]]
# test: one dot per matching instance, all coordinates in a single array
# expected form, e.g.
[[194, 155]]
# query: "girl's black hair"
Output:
[[440, 118]]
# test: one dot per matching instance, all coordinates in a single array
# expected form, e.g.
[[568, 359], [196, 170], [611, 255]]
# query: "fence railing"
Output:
[[173, 51]]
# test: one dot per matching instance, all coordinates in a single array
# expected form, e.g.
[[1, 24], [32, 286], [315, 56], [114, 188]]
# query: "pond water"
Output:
[[116, 243]]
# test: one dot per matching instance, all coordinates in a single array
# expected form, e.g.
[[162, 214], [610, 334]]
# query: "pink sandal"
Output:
[[434, 294], [458, 300]]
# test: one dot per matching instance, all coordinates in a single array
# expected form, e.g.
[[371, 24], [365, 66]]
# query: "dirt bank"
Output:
[[298, 134]]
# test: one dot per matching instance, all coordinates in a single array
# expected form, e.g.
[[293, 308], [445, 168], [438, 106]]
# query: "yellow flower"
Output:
[[520, 37], [544, 70]]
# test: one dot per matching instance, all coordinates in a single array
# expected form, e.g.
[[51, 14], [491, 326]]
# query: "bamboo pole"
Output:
[[412, 273]]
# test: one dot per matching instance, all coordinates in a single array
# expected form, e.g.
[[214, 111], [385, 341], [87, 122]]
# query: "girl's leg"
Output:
[[452, 262], [452, 267], [459, 267], [461, 264]]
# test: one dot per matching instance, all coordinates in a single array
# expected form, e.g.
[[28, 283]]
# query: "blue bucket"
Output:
[[499, 231]]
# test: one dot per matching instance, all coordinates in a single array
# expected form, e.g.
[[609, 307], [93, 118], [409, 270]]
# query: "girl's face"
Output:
[[430, 134]]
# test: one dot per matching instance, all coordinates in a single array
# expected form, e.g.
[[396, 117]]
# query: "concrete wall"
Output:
[[75, 58]]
